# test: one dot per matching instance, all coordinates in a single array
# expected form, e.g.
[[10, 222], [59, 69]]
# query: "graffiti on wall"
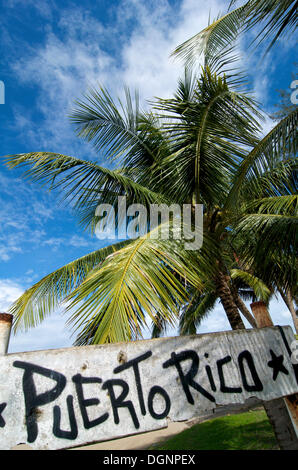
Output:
[[60, 401]]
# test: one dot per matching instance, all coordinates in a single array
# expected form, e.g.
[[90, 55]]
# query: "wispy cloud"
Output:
[[75, 56], [9, 292], [73, 240], [21, 222], [134, 49], [43, 7], [52, 333]]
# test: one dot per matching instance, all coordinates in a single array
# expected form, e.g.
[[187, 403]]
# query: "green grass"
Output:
[[246, 431]]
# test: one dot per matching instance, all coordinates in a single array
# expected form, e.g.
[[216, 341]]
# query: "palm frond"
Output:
[[271, 245], [120, 132], [215, 43], [200, 305], [207, 135], [280, 144], [147, 280], [260, 289], [82, 183], [280, 18], [160, 326], [281, 180], [287, 205], [40, 300]]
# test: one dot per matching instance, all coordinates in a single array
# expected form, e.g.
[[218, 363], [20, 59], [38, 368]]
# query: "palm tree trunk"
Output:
[[243, 309], [283, 429], [228, 302], [288, 300]]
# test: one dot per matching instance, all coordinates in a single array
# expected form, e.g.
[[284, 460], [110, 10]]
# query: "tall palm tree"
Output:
[[200, 147], [271, 19]]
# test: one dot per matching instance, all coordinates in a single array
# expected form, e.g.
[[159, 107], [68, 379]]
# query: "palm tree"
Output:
[[200, 147], [246, 280], [217, 45]]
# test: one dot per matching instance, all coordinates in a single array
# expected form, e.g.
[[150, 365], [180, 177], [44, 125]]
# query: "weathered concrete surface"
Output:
[[69, 397], [146, 440]]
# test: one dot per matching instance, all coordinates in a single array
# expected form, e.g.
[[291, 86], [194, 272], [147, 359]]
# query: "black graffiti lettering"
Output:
[[223, 387], [134, 363], [211, 379], [57, 431], [187, 380], [276, 364], [157, 402], [85, 403], [118, 402], [34, 400], [2, 421], [295, 366], [153, 391], [258, 386]]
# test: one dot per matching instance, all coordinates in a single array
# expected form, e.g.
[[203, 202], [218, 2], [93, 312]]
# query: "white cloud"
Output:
[[217, 320], [146, 58], [9, 292], [43, 7], [134, 50], [267, 125], [54, 242], [61, 70], [23, 212], [76, 241], [52, 333], [75, 57], [7, 249]]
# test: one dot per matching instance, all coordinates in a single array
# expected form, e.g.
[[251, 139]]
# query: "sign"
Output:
[[63, 398]]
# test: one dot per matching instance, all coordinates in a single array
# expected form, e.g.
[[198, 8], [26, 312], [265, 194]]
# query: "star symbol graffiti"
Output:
[[2, 422], [276, 364]]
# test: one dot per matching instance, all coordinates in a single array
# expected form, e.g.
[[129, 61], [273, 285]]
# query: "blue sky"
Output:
[[51, 52]]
